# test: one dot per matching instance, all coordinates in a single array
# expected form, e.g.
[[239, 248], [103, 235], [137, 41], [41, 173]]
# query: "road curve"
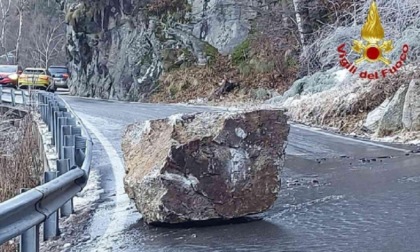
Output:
[[338, 194]]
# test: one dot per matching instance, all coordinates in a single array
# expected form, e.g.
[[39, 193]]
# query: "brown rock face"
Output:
[[205, 166]]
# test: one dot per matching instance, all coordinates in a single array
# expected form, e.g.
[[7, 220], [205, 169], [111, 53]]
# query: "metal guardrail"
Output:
[[23, 214], [14, 97]]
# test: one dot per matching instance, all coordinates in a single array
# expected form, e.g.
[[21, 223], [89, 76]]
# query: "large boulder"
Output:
[[375, 117], [205, 166], [392, 117], [411, 112]]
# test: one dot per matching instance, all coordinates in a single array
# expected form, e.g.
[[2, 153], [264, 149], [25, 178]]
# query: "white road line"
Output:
[[348, 138], [170, 105], [122, 201]]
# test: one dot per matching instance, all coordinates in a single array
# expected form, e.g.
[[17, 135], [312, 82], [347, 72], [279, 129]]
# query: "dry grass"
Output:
[[189, 83], [20, 162], [264, 69]]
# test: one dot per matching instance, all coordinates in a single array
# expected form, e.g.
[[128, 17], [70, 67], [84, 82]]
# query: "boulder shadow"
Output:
[[208, 223]]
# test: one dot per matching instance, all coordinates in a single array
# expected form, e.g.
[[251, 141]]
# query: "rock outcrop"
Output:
[[402, 112], [411, 112], [392, 117], [118, 49], [374, 118], [205, 166]]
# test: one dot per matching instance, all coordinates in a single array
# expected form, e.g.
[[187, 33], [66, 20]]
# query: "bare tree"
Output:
[[47, 42], [21, 6], [308, 16], [4, 22]]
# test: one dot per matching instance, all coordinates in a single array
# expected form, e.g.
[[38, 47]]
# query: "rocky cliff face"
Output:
[[118, 49]]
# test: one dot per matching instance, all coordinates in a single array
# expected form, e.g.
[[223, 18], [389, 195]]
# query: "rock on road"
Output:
[[338, 194]]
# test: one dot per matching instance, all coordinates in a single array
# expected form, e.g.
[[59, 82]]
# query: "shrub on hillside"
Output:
[[20, 164]]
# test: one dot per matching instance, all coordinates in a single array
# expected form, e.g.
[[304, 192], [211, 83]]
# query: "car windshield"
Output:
[[34, 71], [58, 70], [8, 69]]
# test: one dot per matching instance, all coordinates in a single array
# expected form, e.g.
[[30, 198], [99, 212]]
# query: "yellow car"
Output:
[[37, 78]]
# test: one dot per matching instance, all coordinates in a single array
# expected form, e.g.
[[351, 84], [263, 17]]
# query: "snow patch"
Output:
[[149, 73], [240, 133], [189, 182], [174, 119], [147, 127], [199, 101], [402, 137], [91, 193], [342, 75], [237, 165]]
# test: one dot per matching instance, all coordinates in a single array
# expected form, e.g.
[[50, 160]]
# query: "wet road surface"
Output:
[[338, 194]]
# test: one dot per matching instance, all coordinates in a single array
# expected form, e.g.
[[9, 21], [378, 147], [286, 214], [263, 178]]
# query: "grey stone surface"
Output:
[[374, 118], [223, 23], [392, 117], [411, 112], [205, 166]]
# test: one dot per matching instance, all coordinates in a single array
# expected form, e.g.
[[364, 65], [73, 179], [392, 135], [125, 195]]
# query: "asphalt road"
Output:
[[338, 194]]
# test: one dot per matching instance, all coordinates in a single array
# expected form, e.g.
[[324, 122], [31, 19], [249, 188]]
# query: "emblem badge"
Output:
[[373, 46]]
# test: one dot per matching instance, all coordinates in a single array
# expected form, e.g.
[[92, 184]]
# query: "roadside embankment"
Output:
[[20, 154]]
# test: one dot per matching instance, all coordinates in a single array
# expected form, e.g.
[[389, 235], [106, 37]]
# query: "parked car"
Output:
[[61, 75], [9, 75], [37, 78]]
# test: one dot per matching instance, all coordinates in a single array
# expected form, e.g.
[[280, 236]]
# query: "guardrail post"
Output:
[[43, 111], [23, 97], [69, 153], [62, 121], [80, 144], [77, 131], [47, 115], [65, 131], [12, 95], [69, 140], [51, 228], [50, 119], [63, 166], [57, 114], [29, 240], [39, 97]]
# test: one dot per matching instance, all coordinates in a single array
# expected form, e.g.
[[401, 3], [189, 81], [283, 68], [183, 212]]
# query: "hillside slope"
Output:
[[130, 50]]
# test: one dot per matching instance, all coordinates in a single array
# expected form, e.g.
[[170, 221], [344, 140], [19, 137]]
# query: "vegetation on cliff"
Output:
[[264, 64], [182, 51]]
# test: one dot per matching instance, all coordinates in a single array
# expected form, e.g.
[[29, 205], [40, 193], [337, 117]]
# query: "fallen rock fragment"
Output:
[[392, 116], [374, 118], [205, 166], [411, 113]]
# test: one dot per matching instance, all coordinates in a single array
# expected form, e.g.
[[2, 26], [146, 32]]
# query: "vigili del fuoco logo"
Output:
[[373, 48]]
